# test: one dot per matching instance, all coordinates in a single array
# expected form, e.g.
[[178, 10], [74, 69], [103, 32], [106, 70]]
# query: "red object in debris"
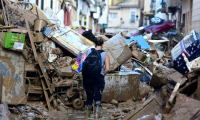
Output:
[[67, 17], [166, 26]]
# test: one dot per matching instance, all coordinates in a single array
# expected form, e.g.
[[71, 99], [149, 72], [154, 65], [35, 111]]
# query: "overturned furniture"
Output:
[[121, 86]]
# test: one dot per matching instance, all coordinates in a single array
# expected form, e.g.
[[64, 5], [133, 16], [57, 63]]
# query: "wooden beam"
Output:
[[31, 39], [46, 95], [4, 13], [44, 74], [171, 99]]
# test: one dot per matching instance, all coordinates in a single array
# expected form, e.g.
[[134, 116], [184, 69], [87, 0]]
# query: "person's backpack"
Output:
[[92, 65]]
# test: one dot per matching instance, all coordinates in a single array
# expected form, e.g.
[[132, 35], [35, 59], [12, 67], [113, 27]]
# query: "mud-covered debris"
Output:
[[4, 114], [118, 51], [57, 51], [67, 71], [64, 61], [151, 105], [117, 115], [184, 108], [157, 116], [144, 90], [106, 105], [126, 110], [29, 112], [114, 102]]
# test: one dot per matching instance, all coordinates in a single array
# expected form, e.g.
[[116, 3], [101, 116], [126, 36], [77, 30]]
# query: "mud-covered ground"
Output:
[[109, 111], [79, 115]]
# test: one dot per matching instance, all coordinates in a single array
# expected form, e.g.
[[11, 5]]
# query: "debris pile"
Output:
[[48, 52], [169, 72], [29, 112]]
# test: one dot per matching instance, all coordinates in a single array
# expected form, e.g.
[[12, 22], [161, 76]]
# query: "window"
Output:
[[51, 4], [37, 2], [132, 17], [113, 15], [42, 4]]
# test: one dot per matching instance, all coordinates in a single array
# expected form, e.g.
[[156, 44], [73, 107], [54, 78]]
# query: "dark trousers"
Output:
[[94, 90]]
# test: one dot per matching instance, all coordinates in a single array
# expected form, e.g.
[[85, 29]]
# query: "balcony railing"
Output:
[[132, 20]]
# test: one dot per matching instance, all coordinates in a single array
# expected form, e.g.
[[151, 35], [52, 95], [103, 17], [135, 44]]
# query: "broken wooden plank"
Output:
[[153, 104], [33, 89], [44, 74], [4, 13], [46, 95], [31, 39], [171, 99], [174, 75]]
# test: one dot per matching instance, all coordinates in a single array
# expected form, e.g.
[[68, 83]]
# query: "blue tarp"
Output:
[[140, 40]]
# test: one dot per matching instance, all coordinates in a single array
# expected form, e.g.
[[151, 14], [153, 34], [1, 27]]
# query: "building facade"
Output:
[[124, 17], [85, 13], [160, 9]]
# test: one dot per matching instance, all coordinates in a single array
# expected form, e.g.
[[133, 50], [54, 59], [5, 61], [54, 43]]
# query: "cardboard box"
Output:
[[190, 47], [117, 50], [67, 71], [151, 67], [138, 55]]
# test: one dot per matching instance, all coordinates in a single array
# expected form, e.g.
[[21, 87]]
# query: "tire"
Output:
[[78, 105], [156, 21]]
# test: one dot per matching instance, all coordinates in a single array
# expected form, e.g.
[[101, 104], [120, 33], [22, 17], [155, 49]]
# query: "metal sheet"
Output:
[[121, 86], [12, 69]]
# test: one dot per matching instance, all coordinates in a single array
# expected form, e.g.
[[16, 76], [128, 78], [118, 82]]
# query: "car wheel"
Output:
[[78, 104], [155, 20]]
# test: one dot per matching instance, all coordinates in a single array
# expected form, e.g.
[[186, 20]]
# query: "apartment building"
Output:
[[124, 17]]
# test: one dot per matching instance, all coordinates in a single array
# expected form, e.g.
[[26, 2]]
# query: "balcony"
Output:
[[173, 3], [149, 8], [141, 3]]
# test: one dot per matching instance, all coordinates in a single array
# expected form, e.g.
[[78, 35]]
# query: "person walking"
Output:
[[93, 77]]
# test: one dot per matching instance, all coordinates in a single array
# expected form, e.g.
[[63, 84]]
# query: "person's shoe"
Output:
[[97, 112], [88, 109]]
